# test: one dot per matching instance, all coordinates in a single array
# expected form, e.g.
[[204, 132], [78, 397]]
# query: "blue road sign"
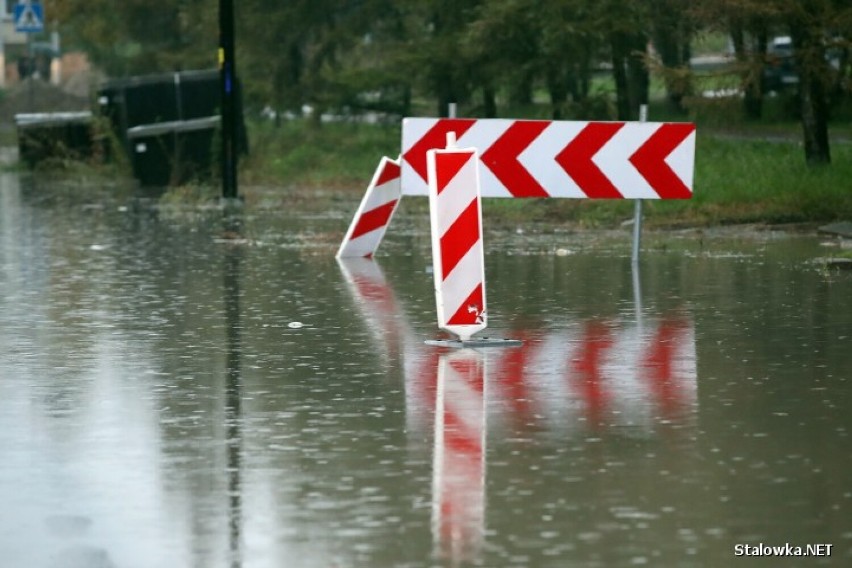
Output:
[[29, 17]]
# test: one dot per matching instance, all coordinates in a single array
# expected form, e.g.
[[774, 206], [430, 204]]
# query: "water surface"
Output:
[[200, 388]]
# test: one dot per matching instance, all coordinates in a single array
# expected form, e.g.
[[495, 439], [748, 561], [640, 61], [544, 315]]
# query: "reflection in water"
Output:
[[587, 377], [378, 306], [458, 479], [598, 372], [233, 391], [156, 409]]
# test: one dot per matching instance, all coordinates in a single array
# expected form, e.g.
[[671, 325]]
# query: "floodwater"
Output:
[[202, 389]]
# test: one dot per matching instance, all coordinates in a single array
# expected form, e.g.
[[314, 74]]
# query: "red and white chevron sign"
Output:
[[542, 158], [457, 252], [374, 214]]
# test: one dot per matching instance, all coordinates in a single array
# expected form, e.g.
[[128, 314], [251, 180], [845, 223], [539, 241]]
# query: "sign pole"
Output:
[[228, 85], [637, 210], [31, 69]]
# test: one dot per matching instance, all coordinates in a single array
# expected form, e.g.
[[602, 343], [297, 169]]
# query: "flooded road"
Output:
[[200, 389]]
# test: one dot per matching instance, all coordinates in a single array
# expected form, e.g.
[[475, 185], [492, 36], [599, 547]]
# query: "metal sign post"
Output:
[[228, 82], [637, 209]]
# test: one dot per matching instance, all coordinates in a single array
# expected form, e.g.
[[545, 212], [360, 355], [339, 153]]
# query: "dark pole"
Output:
[[228, 85]]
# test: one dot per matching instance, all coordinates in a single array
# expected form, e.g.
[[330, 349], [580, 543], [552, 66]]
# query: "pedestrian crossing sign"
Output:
[[29, 17]]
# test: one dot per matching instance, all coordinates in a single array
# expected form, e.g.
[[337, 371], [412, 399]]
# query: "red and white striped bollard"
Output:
[[457, 251]]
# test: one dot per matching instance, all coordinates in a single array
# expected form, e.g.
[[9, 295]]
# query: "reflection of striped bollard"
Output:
[[376, 301], [374, 214], [458, 483], [457, 251]]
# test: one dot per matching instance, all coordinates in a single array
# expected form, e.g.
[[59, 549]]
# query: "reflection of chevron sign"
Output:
[[540, 158]]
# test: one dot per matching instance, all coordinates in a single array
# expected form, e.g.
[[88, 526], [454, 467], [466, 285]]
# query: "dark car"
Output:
[[779, 73]]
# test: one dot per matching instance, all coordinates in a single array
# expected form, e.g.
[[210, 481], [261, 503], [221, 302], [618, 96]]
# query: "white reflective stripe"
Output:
[[384, 193], [457, 196], [682, 160], [461, 397], [613, 159], [460, 283], [539, 159], [484, 133]]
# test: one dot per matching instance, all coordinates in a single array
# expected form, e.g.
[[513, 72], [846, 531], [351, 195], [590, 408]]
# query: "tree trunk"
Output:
[[489, 102], [813, 75], [520, 89], [752, 65], [751, 71], [619, 75], [557, 86], [671, 40], [446, 93], [815, 120], [638, 78], [584, 82], [406, 100], [753, 99]]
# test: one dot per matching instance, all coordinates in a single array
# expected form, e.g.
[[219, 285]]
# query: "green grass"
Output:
[[739, 180], [298, 153]]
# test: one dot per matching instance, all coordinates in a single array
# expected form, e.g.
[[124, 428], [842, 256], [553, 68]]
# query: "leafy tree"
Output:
[[137, 36], [322, 53], [748, 23], [502, 46], [444, 70], [672, 31], [816, 27]]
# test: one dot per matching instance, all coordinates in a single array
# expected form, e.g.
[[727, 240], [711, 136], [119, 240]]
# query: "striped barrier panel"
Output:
[[546, 158], [457, 251], [374, 213]]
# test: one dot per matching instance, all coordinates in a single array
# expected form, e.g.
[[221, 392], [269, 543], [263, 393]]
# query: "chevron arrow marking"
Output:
[[650, 160], [436, 137], [502, 158], [532, 158], [576, 160]]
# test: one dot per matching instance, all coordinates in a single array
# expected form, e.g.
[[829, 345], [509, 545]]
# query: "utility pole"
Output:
[[228, 86]]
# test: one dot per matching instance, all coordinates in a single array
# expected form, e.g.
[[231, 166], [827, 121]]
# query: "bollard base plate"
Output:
[[479, 342]]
